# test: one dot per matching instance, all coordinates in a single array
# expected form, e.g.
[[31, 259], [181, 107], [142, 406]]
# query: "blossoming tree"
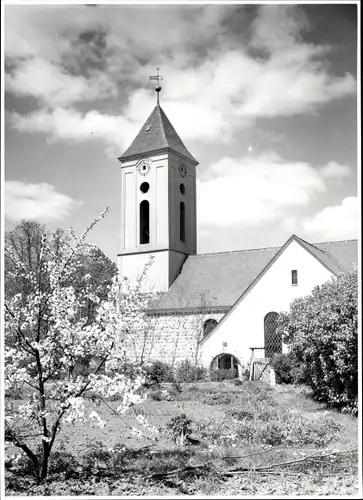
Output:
[[47, 330]]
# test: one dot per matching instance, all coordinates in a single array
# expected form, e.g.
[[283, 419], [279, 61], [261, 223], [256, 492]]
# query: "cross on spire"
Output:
[[157, 88]]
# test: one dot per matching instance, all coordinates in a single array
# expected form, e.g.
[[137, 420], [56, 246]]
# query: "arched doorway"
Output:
[[273, 340], [226, 364]]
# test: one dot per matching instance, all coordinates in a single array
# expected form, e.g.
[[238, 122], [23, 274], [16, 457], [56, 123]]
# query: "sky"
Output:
[[263, 96]]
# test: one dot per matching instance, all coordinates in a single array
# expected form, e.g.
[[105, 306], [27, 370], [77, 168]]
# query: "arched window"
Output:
[[182, 221], [144, 222], [273, 340], [209, 325]]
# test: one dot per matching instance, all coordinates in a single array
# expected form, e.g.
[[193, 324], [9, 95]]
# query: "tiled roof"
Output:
[[157, 133], [217, 280], [344, 253]]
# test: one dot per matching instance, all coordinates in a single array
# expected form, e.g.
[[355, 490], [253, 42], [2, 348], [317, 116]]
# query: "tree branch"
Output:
[[11, 436]]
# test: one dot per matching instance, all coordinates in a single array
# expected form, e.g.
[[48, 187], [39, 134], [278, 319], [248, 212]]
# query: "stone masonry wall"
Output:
[[171, 338]]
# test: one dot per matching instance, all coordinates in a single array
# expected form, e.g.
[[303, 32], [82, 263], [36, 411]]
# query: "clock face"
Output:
[[182, 170], [143, 167]]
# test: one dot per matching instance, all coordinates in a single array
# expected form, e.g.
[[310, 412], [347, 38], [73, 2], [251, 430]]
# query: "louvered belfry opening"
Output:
[[144, 222], [273, 339]]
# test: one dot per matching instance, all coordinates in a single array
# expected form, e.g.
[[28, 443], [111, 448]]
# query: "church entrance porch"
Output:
[[227, 364]]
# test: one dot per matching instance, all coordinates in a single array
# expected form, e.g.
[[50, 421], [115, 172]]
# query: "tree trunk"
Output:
[[43, 472]]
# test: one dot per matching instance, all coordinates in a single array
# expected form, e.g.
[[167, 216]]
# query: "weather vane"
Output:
[[157, 88]]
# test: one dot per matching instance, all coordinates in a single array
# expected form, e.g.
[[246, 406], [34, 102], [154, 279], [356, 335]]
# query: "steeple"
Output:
[[158, 202], [157, 134]]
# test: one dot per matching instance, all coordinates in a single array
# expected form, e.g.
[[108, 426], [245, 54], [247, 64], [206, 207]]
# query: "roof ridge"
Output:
[[335, 241], [235, 251], [275, 247]]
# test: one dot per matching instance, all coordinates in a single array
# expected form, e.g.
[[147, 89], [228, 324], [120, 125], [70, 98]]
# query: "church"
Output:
[[220, 309]]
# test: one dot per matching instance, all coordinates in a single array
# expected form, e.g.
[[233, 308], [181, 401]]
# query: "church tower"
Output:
[[158, 203]]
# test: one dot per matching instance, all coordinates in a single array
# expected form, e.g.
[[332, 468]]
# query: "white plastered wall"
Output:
[[157, 276], [243, 326]]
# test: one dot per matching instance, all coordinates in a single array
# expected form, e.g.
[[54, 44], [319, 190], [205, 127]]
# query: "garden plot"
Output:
[[245, 439]]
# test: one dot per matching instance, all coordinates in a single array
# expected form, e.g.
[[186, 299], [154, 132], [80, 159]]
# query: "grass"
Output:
[[243, 432]]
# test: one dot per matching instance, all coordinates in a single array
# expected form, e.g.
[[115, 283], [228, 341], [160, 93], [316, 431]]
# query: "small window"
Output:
[[182, 188], [144, 188], [294, 277]]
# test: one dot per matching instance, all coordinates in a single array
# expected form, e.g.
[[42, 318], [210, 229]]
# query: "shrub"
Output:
[[242, 415], [283, 364], [217, 399], [62, 462], [176, 388], [316, 433], [322, 330], [219, 375], [158, 372], [272, 433], [187, 372], [160, 395], [179, 427]]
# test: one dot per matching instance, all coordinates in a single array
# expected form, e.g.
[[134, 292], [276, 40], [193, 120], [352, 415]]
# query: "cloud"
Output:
[[333, 170], [66, 56], [53, 86], [39, 202], [255, 190], [278, 26], [68, 124], [337, 222]]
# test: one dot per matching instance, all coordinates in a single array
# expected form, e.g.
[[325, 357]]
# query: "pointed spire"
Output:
[[157, 133]]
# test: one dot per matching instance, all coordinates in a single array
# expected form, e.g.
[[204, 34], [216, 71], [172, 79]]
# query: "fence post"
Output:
[[272, 376]]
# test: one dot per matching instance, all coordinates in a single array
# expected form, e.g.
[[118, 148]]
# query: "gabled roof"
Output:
[[217, 280], [157, 133], [318, 250]]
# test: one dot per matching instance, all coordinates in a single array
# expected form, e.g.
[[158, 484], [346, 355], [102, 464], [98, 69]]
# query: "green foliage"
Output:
[[219, 375], [322, 330], [179, 426], [220, 398], [188, 372], [94, 270], [238, 382], [158, 372], [284, 366], [160, 395]]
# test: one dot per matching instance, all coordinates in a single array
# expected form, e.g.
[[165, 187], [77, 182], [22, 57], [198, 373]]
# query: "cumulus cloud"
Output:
[[39, 202], [337, 222], [53, 86], [72, 125], [333, 170], [208, 94], [255, 190]]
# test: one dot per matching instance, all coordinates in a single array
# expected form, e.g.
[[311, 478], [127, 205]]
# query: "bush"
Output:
[[219, 398], [160, 395], [243, 415], [187, 372], [158, 372], [219, 375], [322, 330], [179, 427], [283, 364]]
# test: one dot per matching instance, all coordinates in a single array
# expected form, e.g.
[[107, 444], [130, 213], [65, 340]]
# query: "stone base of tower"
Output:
[[165, 267]]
